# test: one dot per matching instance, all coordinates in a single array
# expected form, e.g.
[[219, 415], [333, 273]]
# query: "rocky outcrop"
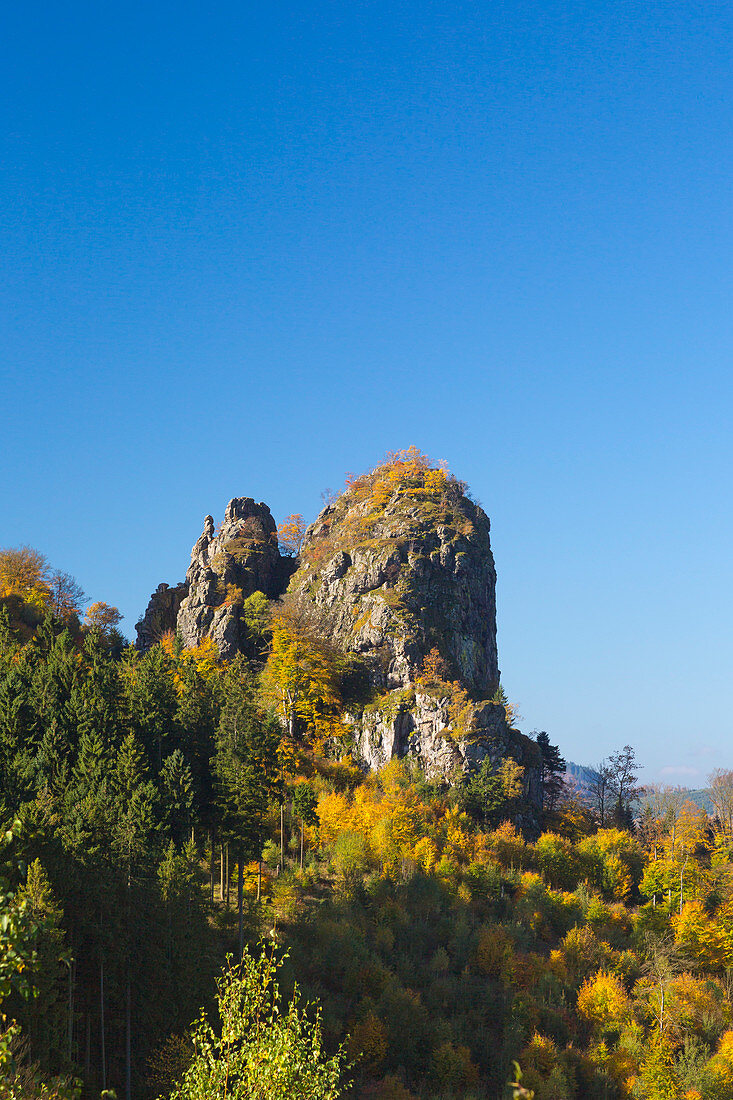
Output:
[[161, 615], [226, 567], [419, 724], [394, 582], [399, 566]]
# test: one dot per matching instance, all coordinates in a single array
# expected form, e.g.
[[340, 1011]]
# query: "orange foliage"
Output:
[[102, 616], [603, 1000], [434, 670], [290, 534]]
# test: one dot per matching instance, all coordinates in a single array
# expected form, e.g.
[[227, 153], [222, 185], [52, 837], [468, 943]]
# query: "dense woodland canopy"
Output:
[[167, 814]]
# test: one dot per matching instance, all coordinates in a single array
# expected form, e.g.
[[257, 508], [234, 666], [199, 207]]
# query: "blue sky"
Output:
[[249, 248]]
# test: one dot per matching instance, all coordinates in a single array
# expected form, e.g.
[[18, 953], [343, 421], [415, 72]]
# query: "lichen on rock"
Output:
[[227, 566], [400, 563]]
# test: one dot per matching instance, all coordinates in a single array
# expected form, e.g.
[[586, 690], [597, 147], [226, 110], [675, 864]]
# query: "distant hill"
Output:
[[582, 776]]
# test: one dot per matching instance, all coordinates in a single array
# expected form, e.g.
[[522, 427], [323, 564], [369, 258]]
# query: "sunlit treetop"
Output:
[[402, 472]]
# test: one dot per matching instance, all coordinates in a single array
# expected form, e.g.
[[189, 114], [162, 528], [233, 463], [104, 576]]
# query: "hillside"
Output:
[[342, 792], [395, 572]]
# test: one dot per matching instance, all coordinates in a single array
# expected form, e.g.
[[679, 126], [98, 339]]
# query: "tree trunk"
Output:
[[227, 897], [302, 830], [212, 860], [259, 879], [102, 1048], [70, 1023], [282, 835], [221, 872], [128, 1036], [240, 899], [128, 991]]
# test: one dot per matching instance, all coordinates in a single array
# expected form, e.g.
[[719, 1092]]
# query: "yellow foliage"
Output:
[[494, 952], [426, 853], [508, 845], [540, 1054], [290, 533], [702, 937], [603, 1001], [24, 572], [301, 674]]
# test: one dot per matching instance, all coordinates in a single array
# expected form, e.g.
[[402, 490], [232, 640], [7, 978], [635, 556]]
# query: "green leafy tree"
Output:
[[264, 1050]]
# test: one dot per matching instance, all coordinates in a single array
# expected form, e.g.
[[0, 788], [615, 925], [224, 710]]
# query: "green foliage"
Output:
[[263, 1049]]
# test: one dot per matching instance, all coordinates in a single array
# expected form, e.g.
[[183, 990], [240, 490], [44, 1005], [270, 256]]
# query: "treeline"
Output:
[[165, 809], [119, 775]]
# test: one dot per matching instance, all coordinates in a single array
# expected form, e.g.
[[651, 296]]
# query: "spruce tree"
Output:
[[553, 769], [176, 796]]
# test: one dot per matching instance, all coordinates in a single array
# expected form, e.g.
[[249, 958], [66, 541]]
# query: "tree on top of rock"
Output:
[[408, 471]]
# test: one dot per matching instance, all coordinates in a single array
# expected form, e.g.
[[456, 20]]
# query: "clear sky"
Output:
[[247, 247]]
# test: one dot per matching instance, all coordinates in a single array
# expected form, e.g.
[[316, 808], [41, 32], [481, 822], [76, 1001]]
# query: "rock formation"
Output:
[[161, 615], [398, 569], [392, 583], [227, 566]]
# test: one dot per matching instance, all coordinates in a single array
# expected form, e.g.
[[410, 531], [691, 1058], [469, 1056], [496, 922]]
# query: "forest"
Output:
[[203, 895]]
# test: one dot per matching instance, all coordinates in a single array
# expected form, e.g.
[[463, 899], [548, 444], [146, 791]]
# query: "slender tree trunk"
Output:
[[221, 872], [302, 830], [282, 835], [70, 1023], [102, 1048], [240, 899], [227, 899], [128, 1036], [88, 1049], [128, 993], [259, 879], [212, 861]]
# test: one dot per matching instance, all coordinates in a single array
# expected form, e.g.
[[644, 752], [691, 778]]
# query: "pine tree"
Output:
[[246, 770], [152, 702], [552, 772], [176, 796]]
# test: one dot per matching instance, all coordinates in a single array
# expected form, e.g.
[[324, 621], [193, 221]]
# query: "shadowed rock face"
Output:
[[161, 615], [226, 567], [391, 584]]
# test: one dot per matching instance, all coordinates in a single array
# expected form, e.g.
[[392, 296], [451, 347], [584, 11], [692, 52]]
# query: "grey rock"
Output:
[[393, 586], [161, 614], [226, 567], [419, 726]]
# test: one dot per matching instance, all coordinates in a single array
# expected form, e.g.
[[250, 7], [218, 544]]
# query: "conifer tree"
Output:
[[552, 771], [152, 701], [176, 796], [246, 770]]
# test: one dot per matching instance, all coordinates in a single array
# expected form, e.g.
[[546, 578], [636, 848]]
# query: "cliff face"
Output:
[[421, 723], [399, 566], [395, 578], [227, 566], [161, 615]]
